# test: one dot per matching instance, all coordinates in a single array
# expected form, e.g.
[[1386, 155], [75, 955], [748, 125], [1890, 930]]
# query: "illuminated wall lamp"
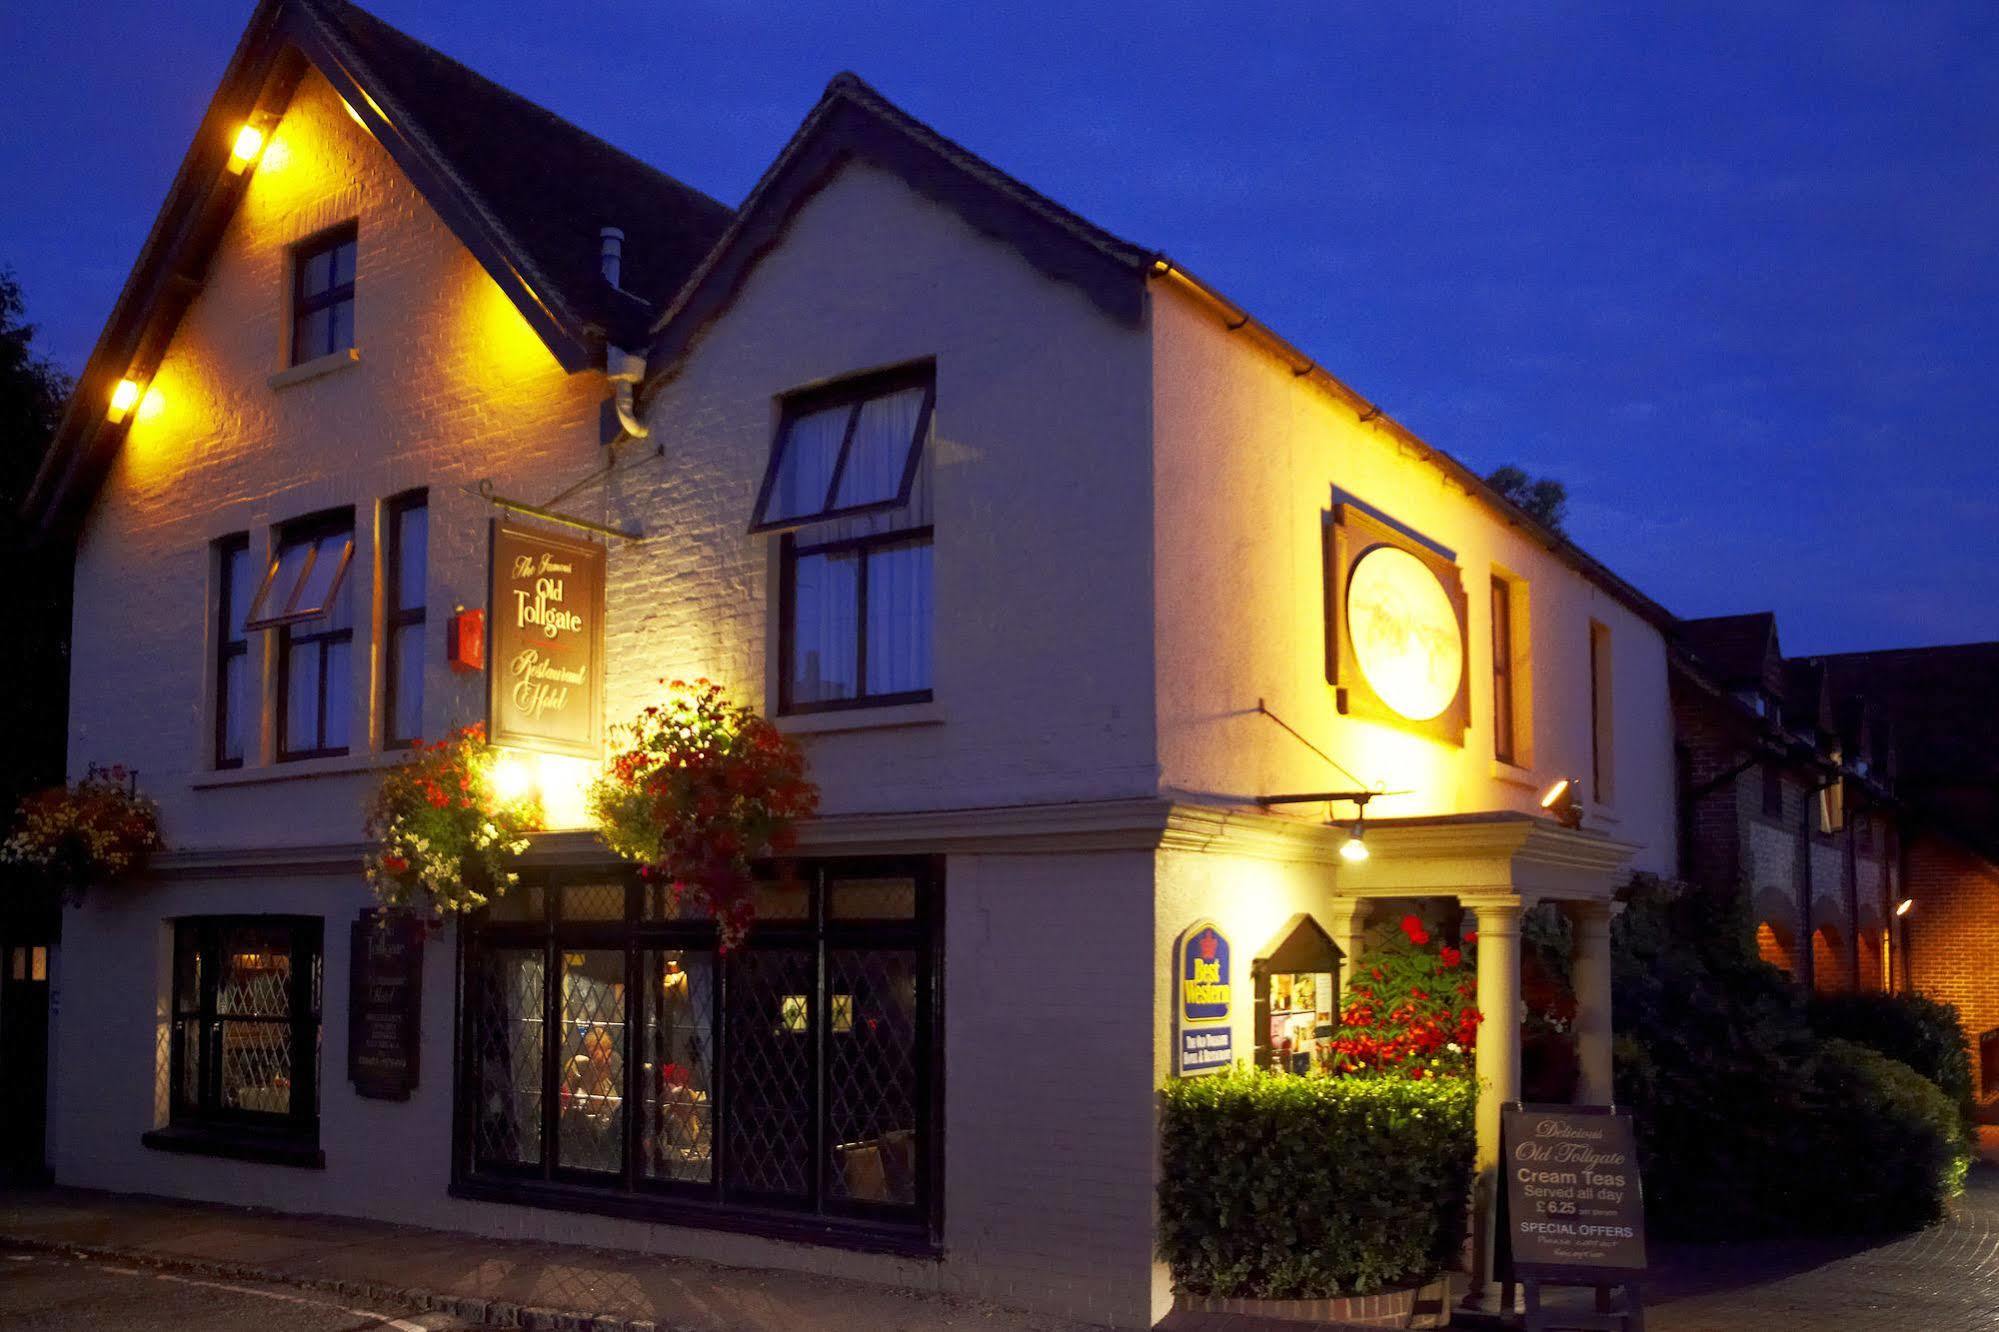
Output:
[[123, 399], [1561, 801], [1905, 906], [249, 142]]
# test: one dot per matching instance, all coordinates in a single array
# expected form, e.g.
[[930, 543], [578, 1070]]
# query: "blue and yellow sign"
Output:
[[1202, 983]]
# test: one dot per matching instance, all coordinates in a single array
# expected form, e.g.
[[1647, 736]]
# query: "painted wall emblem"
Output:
[[1404, 632]]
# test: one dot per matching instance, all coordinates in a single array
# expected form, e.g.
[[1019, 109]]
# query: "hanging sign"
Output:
[[547, 623], [384, 1000], [1573, 1207], [1204, 1040]]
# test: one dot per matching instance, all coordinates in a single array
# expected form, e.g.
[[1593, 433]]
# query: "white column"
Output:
[[1589, 965], [1346, 921], [1498, 1061]]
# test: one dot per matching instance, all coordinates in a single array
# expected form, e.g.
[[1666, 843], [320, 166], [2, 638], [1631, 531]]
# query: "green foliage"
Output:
[[1887, 1143], [1748, 1124], [1545, 499], [1285, 1187], [1924, 1033]]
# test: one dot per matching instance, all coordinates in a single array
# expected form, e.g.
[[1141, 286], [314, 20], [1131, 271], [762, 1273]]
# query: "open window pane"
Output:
[[677, 1135], [884, 434], [324, 576], [824, 643], [807, 450], [899, 619], [280, 581]]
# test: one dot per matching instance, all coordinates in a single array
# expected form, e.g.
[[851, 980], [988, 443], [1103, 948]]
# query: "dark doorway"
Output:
[[27, 969]]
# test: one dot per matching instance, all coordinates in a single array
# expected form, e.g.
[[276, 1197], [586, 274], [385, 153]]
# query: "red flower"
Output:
[[1471, 936], [1413, 927], [1450, 956], [394, 864]]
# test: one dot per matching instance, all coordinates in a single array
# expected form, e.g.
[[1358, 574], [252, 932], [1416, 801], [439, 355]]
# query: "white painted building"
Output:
[[1145, 567]]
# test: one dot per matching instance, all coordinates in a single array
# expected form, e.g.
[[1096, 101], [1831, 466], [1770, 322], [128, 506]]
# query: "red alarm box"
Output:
[[467, 645]]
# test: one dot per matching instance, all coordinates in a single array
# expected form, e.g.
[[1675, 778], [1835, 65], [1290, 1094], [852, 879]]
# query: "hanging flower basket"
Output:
[[702, 788], [97, 832], [444, 839]]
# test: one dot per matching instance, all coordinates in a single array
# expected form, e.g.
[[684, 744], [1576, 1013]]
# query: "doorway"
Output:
[[27, 968]]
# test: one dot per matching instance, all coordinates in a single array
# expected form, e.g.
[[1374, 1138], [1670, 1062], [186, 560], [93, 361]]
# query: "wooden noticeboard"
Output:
[[547, 626], [384, 1005], [1574, 1212]]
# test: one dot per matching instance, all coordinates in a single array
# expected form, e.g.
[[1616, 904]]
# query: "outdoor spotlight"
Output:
[[123, 399], [1355, 849], [249, 142], [1905, 906], [1561, 801]]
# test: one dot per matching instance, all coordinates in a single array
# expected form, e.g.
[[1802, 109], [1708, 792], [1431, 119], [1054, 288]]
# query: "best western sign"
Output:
[[545, 667], [1204, 1042]]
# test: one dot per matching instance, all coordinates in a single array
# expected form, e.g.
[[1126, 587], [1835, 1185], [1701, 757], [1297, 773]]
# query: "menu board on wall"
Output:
[[385, 1000], [547, 622], [1573, 1205]]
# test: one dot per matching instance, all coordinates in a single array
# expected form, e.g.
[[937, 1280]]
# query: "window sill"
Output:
[[339, 765], [315, 368], [860, 719], [237, 1145], [1514, 775]]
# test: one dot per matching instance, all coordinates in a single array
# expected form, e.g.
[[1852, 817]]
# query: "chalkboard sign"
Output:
[[1574, 1212], [384, 1000]]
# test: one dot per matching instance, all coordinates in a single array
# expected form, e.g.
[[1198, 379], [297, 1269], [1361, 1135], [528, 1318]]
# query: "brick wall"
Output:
[[1953, 932]]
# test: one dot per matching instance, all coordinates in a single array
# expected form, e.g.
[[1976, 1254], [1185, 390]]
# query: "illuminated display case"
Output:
[[1297, 979]]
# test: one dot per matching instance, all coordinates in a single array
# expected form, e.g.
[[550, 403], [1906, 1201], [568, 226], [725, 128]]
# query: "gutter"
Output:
[[1302, 366]]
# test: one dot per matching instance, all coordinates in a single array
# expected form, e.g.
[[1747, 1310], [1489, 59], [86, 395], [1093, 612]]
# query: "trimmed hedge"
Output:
[[1276, 1186], [1924, 1033]]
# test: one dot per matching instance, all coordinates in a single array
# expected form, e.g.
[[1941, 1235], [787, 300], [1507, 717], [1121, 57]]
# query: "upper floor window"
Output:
[[1506, 681], [246, 999], [306, 597], [1603, 785], [406, 545], [233, 702], [323, 294], [849, 481]]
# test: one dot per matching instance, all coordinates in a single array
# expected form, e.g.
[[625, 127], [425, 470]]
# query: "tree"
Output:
[[1545, 499], [34, 671]]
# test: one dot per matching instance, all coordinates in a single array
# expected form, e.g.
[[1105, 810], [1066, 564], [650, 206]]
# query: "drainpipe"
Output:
[[611, 255], [625, 369]]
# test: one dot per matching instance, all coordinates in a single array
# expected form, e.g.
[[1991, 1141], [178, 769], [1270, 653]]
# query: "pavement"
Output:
[[395, 1271], [72, 1259]]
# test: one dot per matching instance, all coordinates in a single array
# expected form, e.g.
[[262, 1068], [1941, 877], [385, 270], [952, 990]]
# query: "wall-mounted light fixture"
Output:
[[1905, 906], [243, 151], [1563, 803], [1354, 849], [124, 398]]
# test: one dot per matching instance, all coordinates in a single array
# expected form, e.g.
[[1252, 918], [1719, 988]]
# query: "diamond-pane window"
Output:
[[505, 999], [247, 1024], [676, 1067], [591, 1119]]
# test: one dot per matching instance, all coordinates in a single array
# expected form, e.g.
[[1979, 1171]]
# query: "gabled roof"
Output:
[[1737, 649], [853, 122], [525, 191]]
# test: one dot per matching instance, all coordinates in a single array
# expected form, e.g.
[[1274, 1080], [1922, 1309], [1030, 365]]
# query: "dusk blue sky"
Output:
[[1730, 271]]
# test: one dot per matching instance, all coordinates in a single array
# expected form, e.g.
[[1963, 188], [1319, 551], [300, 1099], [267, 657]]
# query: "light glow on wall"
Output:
[[1405, 633], [560, 782]]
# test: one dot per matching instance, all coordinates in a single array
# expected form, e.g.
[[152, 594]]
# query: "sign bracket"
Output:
[[553, 516]]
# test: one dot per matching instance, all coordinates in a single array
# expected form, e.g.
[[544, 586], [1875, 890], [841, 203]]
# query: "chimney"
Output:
[[612, 253]]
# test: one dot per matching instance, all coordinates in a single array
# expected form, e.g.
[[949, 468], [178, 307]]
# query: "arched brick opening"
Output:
[[1829, 961], [1774, 947], [1870, 980]]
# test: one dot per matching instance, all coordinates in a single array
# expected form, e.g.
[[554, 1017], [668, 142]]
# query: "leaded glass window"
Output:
[[612, 1048], [246, 1014]]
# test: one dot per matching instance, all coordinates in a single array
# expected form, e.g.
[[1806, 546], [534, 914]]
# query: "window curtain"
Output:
[[879, 454], [805, 465], [899, 619]]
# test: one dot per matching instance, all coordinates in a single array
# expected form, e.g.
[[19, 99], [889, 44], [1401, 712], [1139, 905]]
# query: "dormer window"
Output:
[[846, 450], [323, 295]]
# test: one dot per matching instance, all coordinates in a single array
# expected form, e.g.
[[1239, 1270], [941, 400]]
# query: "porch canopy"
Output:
[[1498, 865]]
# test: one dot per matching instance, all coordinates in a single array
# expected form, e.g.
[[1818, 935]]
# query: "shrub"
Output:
[[1411, 1009], [1922, 1032], [1888, 1143], [1278, 1186]]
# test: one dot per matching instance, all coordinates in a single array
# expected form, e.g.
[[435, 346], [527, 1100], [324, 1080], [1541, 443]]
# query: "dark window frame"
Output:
[[1601, 770], [916, 1228], [306, 304], [790, 551], [228, 648], [851, 393], [1505, 699], [207, 1116], [301, 531], [395, 615]]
